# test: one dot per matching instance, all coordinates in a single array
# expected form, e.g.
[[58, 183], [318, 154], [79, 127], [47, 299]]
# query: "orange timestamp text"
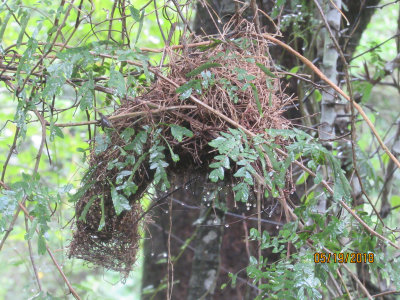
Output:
[[354, 258]]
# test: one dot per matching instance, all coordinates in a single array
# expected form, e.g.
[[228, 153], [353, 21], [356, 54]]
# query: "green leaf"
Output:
[[117, 81], [158, 163], [103, 215], [41, 244], [294, 70], [266, 70], [202, 67], [24, 22], [121, 176], [217, 174], [102, 143], [242, 172], [186, 89], [302, 178], [244, 75], [186, 94], [395, 200], [223, 160], [32, 230], [212, 45], [140, 26], [4, 25], [138, 142], [318, 178], [135, 13], [59, 73], [242, 192], [233, 277], [82, 217], [366, 93], [175, 157], [318, 96], [129, 188], [127, 134], [119, 201], [86, 93], [178, 132], [55, 131]]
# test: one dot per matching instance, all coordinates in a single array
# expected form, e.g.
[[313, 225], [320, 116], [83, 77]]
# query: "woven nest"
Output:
[[232, 83]]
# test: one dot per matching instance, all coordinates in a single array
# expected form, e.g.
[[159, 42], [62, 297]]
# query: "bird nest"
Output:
[[230, 76]]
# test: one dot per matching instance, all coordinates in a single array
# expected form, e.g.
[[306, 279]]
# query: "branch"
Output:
[[32, 258], [337, 89], [127, 115]]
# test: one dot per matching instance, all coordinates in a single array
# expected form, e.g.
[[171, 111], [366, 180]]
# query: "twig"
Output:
[[385, 293], [259, 229], [170, 266], [12, 223], [383, 5], [363, 288], [344, 284], [127, 115], [32, 258], [254, 7], [12, 148]]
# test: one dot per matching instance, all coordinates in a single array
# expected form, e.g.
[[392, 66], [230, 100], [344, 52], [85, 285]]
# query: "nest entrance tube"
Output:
[[231, 76]]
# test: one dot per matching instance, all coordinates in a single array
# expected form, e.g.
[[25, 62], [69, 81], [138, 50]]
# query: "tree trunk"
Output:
[[206, 260]]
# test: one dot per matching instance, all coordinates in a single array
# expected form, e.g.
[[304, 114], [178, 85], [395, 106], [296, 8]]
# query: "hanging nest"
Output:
[[230, 75]]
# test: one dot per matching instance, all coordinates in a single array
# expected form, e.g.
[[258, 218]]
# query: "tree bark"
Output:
[[206, 260]]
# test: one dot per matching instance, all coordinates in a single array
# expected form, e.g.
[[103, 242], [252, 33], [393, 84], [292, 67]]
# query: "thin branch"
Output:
[[10, 153], [126, 115], [355, 277], [383, 5], [385, 293], [375, 47], [344, 284], [32, 258]]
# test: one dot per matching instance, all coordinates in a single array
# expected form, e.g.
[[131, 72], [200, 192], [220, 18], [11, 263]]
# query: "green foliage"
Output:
[[158, 163], [120, 202], [178, 132], [234, 146], [202, 68], [288, 278], [8, 204], [266, 70], [186, 89]]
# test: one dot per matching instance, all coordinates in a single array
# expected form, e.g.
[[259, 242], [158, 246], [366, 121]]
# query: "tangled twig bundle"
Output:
[[231, 76]]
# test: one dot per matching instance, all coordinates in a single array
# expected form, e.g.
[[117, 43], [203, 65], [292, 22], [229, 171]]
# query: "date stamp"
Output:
[[353, 258]]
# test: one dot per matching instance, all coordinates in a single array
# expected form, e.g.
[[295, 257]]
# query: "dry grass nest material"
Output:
[[227, 86]]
